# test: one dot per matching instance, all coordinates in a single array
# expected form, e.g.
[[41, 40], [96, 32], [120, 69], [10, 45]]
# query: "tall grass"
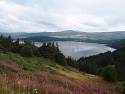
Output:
[[35, 78], [46, 83]]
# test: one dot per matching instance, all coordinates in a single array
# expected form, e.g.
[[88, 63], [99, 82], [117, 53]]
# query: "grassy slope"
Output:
[[75, 75], [35, 63], [44, 75]]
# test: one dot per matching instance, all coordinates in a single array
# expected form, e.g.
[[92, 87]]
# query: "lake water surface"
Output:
[[80, 49]]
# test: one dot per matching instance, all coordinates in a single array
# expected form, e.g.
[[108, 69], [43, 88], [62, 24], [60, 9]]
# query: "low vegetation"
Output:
[[43, 76]]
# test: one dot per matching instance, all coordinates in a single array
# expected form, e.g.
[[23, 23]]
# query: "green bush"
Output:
[[3, 49], [26, 51], [100, 71], [26, 68], [110, 74], [60, 59]]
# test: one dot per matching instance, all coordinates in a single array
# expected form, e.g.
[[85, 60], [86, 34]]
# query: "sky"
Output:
[[60, 15]]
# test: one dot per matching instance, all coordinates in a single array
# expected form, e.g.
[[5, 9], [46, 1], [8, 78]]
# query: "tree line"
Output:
[[28, 49], [109, 65]]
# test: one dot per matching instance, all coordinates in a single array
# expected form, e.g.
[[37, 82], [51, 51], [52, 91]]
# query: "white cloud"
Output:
[[58, 15]]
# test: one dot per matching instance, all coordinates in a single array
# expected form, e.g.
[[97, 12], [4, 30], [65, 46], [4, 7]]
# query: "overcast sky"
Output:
[[59, 15]]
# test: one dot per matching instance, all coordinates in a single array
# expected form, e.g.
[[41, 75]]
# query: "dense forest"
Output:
[[104, 64], [109, 65]]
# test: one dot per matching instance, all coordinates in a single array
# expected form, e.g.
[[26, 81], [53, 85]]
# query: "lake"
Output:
[[80, 49]]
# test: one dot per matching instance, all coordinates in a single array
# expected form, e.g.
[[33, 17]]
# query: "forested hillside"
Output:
[[97, 64], [47, 39], [117, 43]]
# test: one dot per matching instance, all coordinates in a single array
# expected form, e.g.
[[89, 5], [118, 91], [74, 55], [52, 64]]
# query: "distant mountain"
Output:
[[79, 35], [98, 37], [14, 35], [54, 34], [110, 35]]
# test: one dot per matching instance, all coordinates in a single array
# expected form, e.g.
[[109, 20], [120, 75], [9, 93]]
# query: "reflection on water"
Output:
[[80, 49]]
